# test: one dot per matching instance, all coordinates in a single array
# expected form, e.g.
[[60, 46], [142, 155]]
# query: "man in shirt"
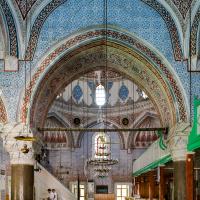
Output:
[[55, 194], [51, 195]]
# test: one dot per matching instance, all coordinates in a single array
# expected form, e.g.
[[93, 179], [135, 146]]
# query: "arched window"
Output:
[[100, 95], [101, 146], [144, 95]]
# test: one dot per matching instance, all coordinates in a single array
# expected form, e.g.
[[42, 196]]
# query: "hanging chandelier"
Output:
[[102, 161], [26, 135], [102, 171]]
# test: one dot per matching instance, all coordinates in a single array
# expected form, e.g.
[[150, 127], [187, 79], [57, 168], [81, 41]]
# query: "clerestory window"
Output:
[[100, 95]]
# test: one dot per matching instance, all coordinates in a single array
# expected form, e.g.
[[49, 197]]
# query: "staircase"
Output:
[[45, 180]]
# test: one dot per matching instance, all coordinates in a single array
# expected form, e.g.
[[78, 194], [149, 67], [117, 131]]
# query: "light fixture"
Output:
[[25, 138], [25, 149], [102, 161], [25, 134]]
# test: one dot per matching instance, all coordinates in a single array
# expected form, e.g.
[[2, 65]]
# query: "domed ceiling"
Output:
[[127, 106], [119, 90]]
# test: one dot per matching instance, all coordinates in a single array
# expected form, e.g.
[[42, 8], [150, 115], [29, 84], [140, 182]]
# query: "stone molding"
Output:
[[8, 132], [11, 64], [178, 140]]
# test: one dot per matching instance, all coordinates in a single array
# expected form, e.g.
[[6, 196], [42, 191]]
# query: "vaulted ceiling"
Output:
[[126, 107], [174, 12]]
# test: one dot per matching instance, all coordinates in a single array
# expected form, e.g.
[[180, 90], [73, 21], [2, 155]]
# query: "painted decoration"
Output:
[[77, 93], [123, 92]]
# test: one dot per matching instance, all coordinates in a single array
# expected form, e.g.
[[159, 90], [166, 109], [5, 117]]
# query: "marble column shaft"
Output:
[[22, 163], [190, 177], [22, 182], [180, 180]]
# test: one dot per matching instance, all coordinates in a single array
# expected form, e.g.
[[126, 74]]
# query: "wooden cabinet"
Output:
[[104, 197]]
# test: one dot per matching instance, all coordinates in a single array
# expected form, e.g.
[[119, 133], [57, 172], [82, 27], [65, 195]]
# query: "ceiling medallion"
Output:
[[77, 121], [125, 121]]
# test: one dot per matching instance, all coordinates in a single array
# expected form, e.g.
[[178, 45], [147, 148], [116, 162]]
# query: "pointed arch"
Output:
[[127, 54], [12, 31]]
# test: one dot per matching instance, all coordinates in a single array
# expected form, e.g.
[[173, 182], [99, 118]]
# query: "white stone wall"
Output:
[[73, 161], [4, 161], [44, 180]]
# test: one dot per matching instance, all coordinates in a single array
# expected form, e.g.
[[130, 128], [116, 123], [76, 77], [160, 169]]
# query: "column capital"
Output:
[[14, 147], [178, 140]]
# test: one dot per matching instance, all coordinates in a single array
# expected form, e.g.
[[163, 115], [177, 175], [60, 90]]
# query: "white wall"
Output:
[[44, 180]]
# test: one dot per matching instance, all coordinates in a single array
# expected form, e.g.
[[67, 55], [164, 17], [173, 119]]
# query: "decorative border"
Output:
[[3, 115], [37, 26], [55, 3], [194, 33], [113, 35], [11, 27], [25, 6], [170, 25], [183, 6]]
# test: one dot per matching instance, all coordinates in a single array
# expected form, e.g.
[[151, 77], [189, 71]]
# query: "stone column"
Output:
[[178, 146], [22, 162], [190, 177], [179, 180], [161, 183], [138, 186], [134, 186]]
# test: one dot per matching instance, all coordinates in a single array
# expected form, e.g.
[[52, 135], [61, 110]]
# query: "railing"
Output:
[[45, 180], [151, 158]]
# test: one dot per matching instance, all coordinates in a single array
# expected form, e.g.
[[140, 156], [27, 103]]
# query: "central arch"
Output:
[[125, 55]]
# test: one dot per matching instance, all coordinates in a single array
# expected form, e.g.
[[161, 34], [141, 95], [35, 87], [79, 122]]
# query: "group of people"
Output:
[[52, 194]]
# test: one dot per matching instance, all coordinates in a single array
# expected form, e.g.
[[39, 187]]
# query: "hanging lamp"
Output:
[[25, 134]]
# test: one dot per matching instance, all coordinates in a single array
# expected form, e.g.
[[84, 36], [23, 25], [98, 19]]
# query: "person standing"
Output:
[[51, 195], [55, 194]]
